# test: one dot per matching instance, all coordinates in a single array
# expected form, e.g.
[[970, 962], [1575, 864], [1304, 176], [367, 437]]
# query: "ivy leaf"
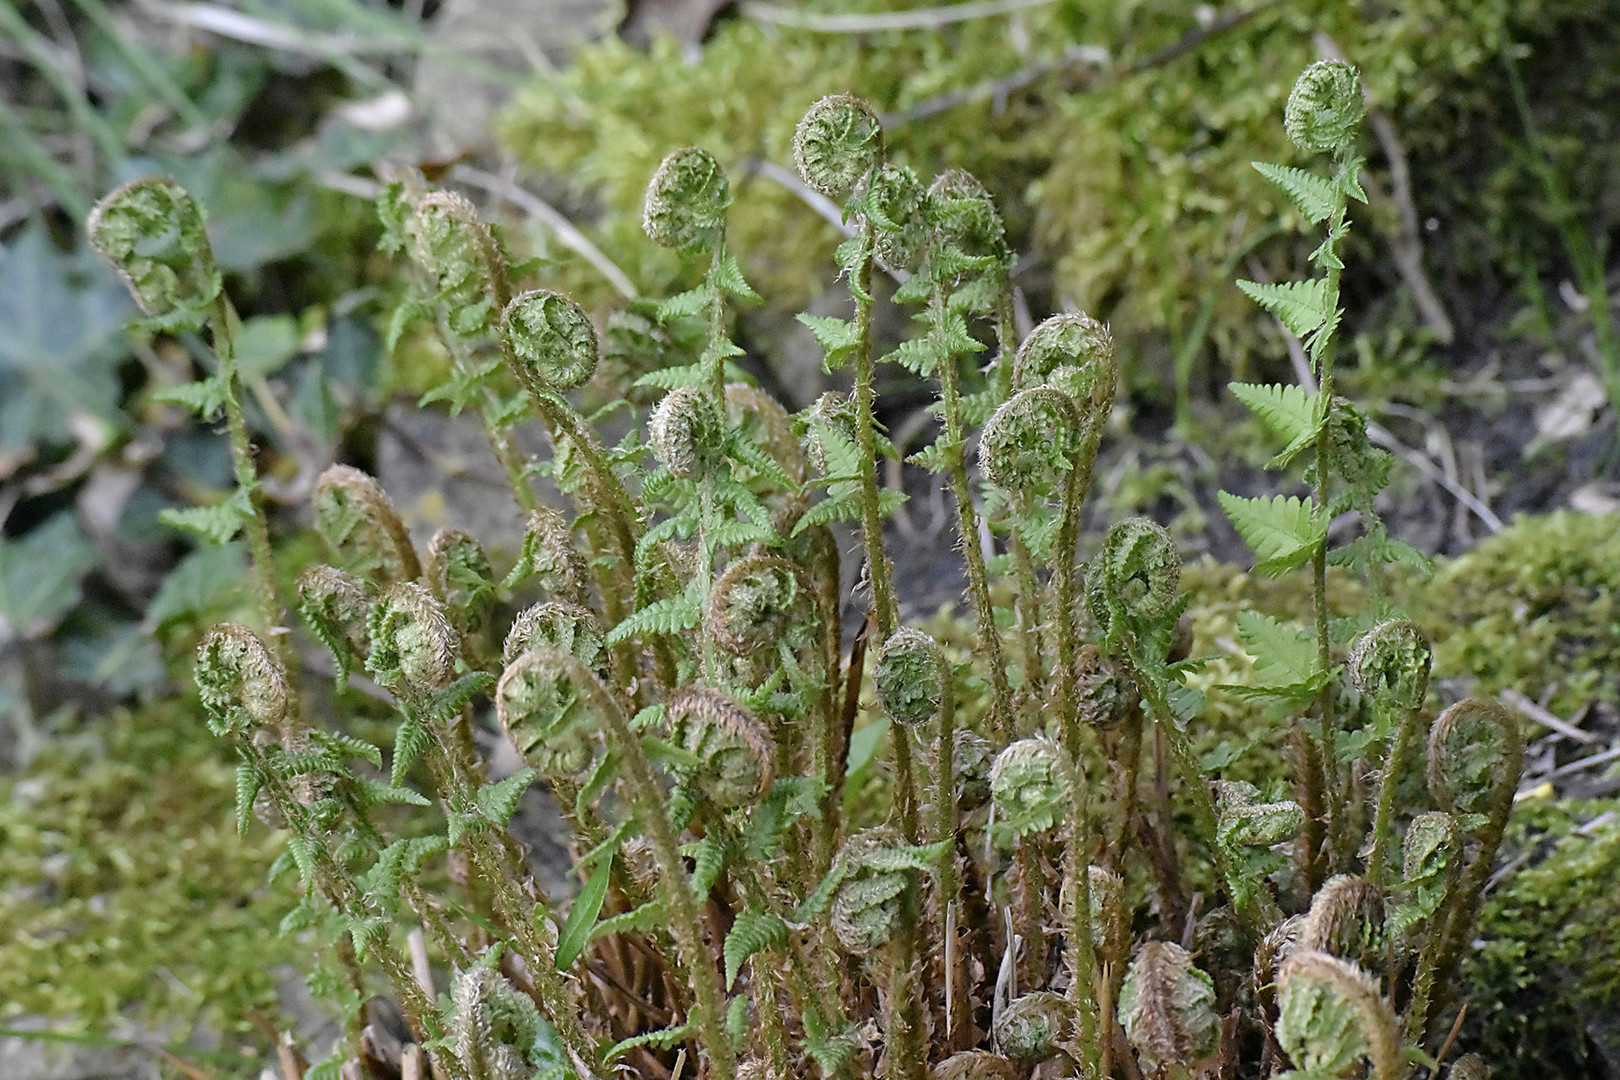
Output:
[[1315, 196], [40, 574], [1302, 306], [1283, 531], [576, 930], [1289, 412]]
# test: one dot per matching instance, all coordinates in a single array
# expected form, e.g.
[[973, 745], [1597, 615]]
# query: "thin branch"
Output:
[[1518, 700], [567, 233], [917, 19]]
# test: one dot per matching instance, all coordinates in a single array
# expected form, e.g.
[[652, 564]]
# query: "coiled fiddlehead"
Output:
[[152, 233], [242, 686], [1032, 1027], [685, 432], [1031, 783], [1330, 1014], [974, 1065], [413, 645], [547, 701], [837, 143], [336, 606], [558, 625], [866, 907], [496, 1028], [686, 201], [896, 207], [445, 237], [1431, 860], [1346, 919], [1167, 1007], [1028, 445], [753, 603], [912, 677], [460, 576], [1476, 750], [358, 522], [1136, 579], [549, 341], [1390, 663], [549, 554], [736, 752], [1073, 353], [1325, 108]]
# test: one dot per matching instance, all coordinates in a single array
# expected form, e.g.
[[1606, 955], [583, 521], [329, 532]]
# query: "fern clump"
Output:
[[1053, 872]]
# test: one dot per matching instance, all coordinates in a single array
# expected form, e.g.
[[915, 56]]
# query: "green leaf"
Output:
[[205, 397], [248, 782], [920, 356], [728, 276], [670, 615], [1315, 196], [40, 574], [663, 1039], [498, 802], [447, 703], [1289, 412], [217, 524], [376, 793], [1283, 531], [1284, 653], [752, 932], [688, 303], [411, 741], [837, 338], [61, 336], [1302, 306], [576, 930]]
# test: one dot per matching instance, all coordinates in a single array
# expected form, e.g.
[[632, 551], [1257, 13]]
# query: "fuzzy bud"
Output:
[[1469, 1067], [548, 703], [1476, 750], [897, 206], [446, 238], [684, 432], [496, 1028], [1107, 913], [974, 1065], [829, 425], [837, 143], [1102, 696], [549, 554], [1075, 354], [1029, 443], [1325, 107], [736, 751], [153, 234], [460, 576], [686, 201], [549, 341], [912, 677], [1031, 785], [356, 519], [1167, 1007], [558, 625], [1390, 663], [1031, 1027], [242, 686], [413, 645], [336, 606]]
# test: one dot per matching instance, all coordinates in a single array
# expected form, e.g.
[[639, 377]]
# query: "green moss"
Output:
[[1133, 189], [1534, 609], [129, 895]]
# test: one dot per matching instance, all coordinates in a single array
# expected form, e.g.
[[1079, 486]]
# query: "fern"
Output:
[[1291, 413], [752, 932], [1284, 531], [1314, 196]]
